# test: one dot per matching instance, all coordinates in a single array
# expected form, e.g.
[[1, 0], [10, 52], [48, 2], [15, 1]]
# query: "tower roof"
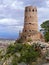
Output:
[[31, 7]]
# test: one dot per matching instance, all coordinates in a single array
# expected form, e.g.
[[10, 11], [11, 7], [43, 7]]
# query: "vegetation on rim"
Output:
[[45, 29]]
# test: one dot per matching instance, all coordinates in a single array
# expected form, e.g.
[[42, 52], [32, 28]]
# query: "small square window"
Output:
[[29, 30], [33, 10], [29, 23], [32, 30], [25, 30], [28, 35]]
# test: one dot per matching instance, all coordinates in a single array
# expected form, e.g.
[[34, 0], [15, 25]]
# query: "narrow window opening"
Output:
[[33, 10], [29, 23], [29, 30], [25, 30], [28, 35]]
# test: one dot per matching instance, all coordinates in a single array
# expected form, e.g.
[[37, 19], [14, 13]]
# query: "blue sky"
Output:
[[12, 15]]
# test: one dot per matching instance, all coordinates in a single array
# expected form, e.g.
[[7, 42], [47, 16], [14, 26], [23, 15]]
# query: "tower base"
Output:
[[35, 36]]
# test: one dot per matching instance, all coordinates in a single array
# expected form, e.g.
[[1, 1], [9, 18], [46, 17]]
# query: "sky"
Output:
[[12, 15]]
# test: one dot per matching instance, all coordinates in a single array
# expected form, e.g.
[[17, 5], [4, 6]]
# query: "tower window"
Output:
[[24, 37], [29, 30], [29, 23], [25, 30], [28, 35], [33, 10], [32, 30]]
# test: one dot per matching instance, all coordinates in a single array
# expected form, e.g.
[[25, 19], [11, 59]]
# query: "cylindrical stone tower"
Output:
[[30, 20], [30, 29]]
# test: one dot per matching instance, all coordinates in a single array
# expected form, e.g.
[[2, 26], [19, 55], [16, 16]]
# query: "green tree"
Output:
[[45, 29]]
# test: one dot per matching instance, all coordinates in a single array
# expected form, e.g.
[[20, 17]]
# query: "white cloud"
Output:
[[17, 5], [43, 15], [47, 2], [8, 21], [11, 29], [10, 25], [14, 4], [43, 12], [2, 7], [43, 9]]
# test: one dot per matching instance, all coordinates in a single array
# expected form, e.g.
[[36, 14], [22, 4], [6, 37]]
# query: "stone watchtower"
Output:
[[30, 30], [30, 20]]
